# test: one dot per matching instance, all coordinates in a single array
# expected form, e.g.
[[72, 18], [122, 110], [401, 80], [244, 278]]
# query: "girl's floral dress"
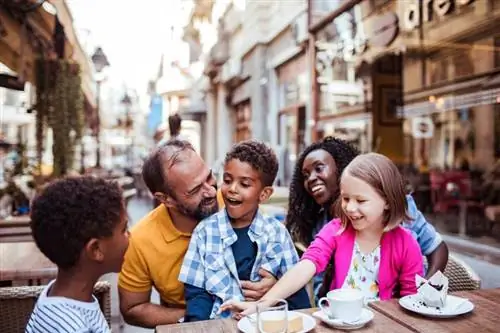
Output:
[[363, 273]]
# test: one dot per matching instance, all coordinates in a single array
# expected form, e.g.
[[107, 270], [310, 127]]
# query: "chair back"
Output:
[[461, 277], [17, 303]]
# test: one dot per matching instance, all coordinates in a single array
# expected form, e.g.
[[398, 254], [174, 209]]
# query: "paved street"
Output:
[[488, 272]]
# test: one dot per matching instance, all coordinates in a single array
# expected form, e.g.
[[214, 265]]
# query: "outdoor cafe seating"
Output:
[[17, 303]]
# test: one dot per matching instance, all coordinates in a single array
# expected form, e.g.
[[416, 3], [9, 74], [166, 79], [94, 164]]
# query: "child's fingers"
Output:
[[237, 316], [249, 310], [225, 306]]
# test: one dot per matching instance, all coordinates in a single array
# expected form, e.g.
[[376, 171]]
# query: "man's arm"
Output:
[[429, 240], [255, 290], [437, 260], [134, 288], [137, 310]]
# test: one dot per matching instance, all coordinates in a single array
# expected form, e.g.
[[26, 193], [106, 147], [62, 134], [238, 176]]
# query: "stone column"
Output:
[[224, 134], [259, 103], [273, 104], [210, 137]]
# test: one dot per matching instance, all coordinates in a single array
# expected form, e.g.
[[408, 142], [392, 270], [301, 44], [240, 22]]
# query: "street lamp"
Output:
[[100, 62]]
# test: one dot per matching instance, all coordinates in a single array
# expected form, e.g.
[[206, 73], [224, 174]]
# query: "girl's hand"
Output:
[[239, 309]]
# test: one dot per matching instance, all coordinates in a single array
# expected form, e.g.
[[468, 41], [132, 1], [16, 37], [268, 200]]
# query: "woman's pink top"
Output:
[[400, 258]]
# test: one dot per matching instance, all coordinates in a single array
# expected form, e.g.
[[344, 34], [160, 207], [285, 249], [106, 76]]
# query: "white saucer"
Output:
[[455, 306], [247, 325], [366, 317]]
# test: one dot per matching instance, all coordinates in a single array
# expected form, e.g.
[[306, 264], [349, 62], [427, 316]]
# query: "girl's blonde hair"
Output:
[[384, 177]]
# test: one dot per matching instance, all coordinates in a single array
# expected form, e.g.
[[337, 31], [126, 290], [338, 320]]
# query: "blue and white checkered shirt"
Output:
[[209, 262]]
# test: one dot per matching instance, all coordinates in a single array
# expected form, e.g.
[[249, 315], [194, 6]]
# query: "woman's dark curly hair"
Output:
[[303, 212], [71, 211]]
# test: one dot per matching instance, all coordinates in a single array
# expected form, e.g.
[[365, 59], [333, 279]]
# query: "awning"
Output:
[[450, 102]]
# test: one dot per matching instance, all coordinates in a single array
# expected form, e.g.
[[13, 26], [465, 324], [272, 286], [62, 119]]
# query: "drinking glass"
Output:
[[272, 319]]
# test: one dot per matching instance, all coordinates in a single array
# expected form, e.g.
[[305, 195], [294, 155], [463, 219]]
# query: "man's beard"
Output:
[[201, 211]]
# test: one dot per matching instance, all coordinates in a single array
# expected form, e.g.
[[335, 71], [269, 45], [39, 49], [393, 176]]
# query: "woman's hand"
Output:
[[239, 309]]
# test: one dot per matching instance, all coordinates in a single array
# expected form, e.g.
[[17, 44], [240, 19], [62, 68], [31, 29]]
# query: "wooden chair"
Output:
[[17, 303]]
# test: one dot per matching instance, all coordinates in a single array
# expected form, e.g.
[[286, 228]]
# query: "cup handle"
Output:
[[322, 306]]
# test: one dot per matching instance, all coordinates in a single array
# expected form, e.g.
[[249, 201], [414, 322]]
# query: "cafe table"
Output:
[[379, 324], [15, 229], [484, 318], [24, 261], [388, 317]]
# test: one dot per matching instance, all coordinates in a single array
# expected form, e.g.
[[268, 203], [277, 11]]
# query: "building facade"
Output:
[[414, 80], [451, 84], [258, 79], [20, 45]]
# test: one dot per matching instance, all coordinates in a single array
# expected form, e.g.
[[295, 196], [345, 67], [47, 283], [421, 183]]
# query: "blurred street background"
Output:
[[91, 87]]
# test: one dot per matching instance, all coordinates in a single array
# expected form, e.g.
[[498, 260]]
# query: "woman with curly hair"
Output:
[[315, 188]]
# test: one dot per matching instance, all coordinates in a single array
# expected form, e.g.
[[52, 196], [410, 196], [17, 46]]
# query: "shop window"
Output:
[[340, 70], [439, 70], [325, 6], [497, 52], [243, 117], [462, 64], [13, 97]]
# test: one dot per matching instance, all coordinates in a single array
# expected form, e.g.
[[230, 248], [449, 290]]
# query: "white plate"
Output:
[[247, 325], [366, 317], [455, 306]]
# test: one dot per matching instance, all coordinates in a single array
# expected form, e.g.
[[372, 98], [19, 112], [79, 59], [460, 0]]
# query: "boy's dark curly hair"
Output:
[[71, 211], [259, 156], [303, 212]]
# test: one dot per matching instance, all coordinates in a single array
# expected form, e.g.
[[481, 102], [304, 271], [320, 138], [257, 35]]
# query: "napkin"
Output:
[[433, 292]]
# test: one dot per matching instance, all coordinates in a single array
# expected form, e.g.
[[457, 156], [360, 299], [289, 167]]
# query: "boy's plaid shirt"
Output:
[[209, 261]]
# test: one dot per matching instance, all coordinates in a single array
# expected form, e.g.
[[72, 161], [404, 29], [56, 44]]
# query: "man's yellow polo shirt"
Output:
[[154, 256]]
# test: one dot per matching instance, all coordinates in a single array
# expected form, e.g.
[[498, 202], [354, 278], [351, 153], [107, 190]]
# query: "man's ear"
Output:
[[159, 196], [265, 194], [167, 200], [93, 250]]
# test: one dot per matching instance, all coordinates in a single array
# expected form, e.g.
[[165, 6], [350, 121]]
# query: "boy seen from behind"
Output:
[[233, 244], [80, 224]]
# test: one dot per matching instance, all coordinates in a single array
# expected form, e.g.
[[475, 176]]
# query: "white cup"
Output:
[[343, 304]]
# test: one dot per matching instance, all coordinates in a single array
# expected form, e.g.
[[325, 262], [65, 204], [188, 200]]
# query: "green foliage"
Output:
[[59, 106]]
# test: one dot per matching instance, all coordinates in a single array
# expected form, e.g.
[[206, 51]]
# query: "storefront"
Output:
[[292, 99], [454, 88], [357, 77]]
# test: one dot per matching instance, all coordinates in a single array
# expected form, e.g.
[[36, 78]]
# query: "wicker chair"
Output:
[[460, 276], [17, 303]]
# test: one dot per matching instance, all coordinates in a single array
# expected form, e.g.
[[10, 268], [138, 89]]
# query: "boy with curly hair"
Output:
[[80, 224], [233, 244]]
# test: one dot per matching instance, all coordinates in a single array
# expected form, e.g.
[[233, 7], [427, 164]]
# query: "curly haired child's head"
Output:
[[70, 213], [261, 157]]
